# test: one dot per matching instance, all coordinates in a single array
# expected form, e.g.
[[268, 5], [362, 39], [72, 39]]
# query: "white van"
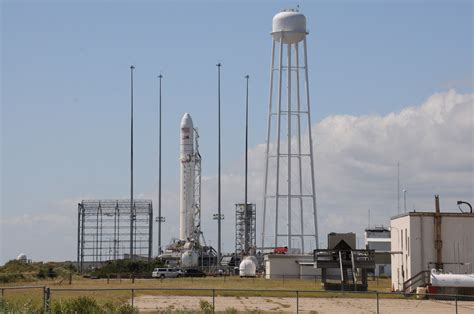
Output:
[[166, 273]]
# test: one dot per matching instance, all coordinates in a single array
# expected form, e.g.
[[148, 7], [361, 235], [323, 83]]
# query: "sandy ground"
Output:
[[306, 305]]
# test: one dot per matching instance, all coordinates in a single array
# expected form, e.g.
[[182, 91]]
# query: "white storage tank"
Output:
[[248, 267], [289, 25], [451, 280], [189, 258]]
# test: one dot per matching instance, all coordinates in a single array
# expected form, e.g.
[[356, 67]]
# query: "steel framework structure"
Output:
[[289, 200], [245, 228], [197, 187], [103, 230]]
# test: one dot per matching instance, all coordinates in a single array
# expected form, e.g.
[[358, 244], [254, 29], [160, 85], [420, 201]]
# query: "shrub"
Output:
[[41, 274], [51, 273], [126, 309], [205, 306], [82, 305]]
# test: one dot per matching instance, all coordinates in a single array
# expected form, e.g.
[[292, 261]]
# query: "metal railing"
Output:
[[421, 278], [48, 294]]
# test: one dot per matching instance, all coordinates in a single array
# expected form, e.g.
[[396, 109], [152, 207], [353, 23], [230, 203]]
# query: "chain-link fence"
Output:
[[246, 300]]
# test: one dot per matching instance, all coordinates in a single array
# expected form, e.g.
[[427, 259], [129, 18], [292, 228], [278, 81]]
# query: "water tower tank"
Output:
[[289, 24]]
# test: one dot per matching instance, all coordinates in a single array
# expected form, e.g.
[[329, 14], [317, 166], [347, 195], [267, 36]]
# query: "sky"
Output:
[[389, 81]]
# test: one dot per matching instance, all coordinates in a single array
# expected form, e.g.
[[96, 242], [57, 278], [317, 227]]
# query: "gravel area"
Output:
[[306, 305]]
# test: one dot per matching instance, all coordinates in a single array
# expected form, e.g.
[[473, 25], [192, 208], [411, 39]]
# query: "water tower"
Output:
[[289, 205]]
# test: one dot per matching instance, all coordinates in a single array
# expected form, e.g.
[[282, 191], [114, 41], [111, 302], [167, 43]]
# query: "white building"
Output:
[[378, 239], [295, 266], [414, 244]]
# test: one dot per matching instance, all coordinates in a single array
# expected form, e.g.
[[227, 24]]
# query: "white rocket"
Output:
[[186, 210]]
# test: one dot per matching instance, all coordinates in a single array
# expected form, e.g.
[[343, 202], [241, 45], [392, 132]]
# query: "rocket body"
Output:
[[186, 210]]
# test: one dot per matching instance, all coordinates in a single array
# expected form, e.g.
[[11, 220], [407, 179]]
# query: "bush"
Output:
[[6, 278], [205, 306], [51, 273], [127, 267], [41, 274], [26, 306], [86, 305]]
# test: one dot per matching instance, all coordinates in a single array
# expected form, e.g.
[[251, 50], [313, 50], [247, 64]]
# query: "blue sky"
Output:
[[65, 82]]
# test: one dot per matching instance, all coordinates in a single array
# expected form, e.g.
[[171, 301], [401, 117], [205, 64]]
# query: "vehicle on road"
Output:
[[193, 273], [166, 273]]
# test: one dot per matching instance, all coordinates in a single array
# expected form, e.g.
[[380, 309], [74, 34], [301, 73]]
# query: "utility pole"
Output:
[[160, 218], [219, 215], [132, 216], [246, 139]]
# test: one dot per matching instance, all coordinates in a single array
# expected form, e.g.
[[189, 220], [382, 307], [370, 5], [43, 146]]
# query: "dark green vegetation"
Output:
[[124, 268], [74, 306], [15, 271]]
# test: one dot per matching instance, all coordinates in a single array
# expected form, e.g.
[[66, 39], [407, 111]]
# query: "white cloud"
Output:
[[355, 159]]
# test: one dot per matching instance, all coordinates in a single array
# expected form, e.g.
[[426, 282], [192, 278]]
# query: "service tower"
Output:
[[289, 204]]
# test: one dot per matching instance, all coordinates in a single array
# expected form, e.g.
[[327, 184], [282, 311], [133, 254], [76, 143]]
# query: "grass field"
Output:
[[35, 296]]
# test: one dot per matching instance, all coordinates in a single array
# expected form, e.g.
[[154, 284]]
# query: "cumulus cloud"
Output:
[[356, 171], [356, 165]]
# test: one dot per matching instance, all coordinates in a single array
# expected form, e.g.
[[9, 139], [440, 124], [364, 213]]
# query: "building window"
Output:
[[406, 239], [408, 246], [401, 239]]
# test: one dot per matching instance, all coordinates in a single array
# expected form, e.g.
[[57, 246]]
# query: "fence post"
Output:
[[133, 296], [297, 302], [47, 299], [44, 299], [377, 296], [456, 303], [213, 300]]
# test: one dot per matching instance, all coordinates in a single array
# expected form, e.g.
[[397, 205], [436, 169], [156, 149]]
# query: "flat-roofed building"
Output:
[[378, 239], [421, 241]]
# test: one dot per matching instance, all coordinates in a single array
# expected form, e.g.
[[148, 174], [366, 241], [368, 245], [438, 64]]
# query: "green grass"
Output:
[[35, 296]]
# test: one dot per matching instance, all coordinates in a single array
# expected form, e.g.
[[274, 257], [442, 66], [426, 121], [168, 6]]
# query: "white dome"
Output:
[[248, 267], [189, 259], [21, 257], [289, 24]]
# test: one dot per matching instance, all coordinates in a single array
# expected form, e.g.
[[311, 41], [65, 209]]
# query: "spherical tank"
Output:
[[289, 25], [248, 267], [189, 259]]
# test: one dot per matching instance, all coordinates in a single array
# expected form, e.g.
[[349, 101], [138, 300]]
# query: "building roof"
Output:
[[431, 214], [377, 229]]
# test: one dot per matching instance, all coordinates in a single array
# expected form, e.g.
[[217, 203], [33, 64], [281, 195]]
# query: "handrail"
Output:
[[421, 276]]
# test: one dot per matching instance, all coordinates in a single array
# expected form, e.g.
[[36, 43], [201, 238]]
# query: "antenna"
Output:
[[398, 187]]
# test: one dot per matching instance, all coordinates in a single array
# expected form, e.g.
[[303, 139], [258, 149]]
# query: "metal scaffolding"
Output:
[[103, 230], [245, 228], [197, 187]]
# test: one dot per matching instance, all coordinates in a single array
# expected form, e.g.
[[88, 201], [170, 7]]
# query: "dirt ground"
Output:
[[306, 305]]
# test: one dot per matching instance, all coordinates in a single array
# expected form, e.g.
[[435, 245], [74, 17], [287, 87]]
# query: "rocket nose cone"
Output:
[[187, 121]]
